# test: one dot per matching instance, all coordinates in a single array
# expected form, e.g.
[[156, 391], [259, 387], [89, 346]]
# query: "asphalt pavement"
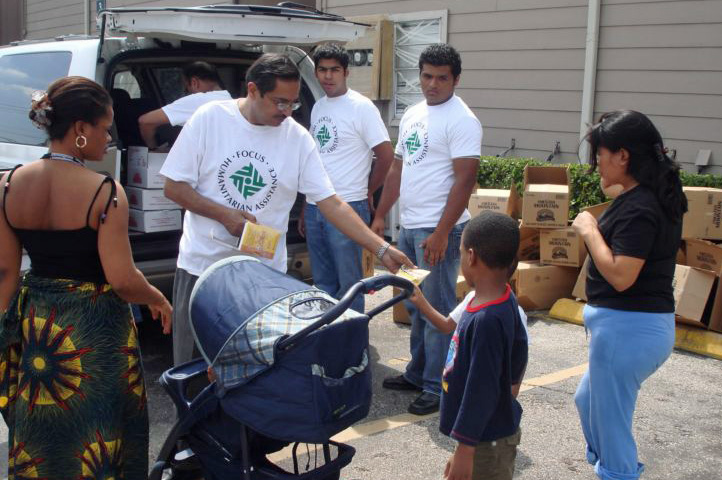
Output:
[[678, 422]]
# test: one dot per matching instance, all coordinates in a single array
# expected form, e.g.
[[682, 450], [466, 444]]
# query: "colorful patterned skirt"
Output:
[[71, 384]]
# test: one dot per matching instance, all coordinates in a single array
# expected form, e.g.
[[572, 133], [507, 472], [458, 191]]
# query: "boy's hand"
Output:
[[461, 464], [417, 297]]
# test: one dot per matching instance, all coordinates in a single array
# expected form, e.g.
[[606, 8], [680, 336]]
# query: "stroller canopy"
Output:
[[240, 308]]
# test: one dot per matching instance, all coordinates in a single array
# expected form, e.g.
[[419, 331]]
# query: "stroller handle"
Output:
[[364, 286]]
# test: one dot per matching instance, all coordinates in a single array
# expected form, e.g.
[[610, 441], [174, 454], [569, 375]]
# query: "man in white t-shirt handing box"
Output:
[[239, 161], [348, 130], [433, 175], [203, 85]]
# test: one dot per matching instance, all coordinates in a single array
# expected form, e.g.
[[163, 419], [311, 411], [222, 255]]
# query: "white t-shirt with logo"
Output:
[[456, 313], [429, 138], [258, 169], [181, 110], [346, 128]]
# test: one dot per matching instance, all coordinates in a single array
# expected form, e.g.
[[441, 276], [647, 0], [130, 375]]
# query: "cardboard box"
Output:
[[715, 308], [502, 201], [538, 286], [546, 197], [368, 263], [705, 255], [692, 288], [154, 220], [580, 288], [529, 244], [144, 168], [300, 265], [598, 209], [401, 315], [704, 216], [149, 199], [563, 247]]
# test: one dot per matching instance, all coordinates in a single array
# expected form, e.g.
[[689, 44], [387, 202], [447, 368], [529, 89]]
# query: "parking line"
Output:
[[395, 421]]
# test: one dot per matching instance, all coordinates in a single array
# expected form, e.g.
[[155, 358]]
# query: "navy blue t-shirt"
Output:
[[488, 353]]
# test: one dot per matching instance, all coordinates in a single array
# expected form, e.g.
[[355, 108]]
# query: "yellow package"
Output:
[[414, 275], [259, 240]]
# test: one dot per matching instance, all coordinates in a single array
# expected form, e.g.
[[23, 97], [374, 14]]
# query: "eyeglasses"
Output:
[[283, 105]]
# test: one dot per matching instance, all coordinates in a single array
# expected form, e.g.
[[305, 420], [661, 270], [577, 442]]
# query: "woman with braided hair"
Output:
[[630, 308], [71, 380]]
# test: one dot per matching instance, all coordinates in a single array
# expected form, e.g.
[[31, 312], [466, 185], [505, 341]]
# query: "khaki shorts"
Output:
[[495, 460]]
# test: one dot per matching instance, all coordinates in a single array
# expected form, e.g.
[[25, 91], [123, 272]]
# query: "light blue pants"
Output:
[[624, 350], [335, 258], [429, 346]]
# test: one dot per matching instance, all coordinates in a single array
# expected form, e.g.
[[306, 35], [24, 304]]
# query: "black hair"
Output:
[[201, 70], [268, 68], [494, 237], [331, 51], [440, 54], [649, 163], [70, 100]]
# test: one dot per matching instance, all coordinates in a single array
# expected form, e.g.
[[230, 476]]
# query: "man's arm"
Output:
[[465, 170], [149, 123], [185, 196], [343, 217], [389, 195], [384, 153]]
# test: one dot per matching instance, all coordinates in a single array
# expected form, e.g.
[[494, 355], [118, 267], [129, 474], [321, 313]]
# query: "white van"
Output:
[[138, 58]]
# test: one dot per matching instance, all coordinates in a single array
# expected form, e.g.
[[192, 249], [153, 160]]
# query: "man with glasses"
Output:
[[241, 161]]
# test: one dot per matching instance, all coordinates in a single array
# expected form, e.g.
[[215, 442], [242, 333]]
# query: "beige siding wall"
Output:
[[523, 64], [664, 58], [49, 18]]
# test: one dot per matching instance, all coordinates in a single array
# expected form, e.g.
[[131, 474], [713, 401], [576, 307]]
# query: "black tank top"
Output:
[[71, 254]]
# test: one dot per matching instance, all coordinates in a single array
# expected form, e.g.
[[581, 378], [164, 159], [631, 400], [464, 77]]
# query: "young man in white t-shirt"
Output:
[[245, 161], [348, 131], [433, 175], [203, 85]]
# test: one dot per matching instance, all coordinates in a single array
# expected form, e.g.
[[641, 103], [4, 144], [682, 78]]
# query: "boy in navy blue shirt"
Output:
[[487, 355]]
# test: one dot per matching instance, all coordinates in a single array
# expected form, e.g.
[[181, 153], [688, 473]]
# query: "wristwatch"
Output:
[[382, 250]]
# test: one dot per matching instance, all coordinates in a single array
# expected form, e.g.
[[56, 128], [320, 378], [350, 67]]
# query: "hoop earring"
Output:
[[80, 138]]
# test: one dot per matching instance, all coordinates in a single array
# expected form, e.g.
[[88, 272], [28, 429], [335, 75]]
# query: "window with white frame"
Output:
[[412, 34]]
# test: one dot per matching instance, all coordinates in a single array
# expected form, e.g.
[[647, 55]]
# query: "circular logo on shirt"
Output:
[[247, 181], [325, 133], [415, 142]]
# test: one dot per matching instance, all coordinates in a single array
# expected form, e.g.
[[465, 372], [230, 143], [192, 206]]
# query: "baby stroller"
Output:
[[291, 366]]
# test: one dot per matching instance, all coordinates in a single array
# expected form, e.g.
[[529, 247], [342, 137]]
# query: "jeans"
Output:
[[335, 258], [624, 350], [428, 345]]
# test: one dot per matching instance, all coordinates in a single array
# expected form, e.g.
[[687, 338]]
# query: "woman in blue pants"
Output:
[[630, 309]]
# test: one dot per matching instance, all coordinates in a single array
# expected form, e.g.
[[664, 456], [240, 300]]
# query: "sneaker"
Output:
[[425, 404], [399, 382]]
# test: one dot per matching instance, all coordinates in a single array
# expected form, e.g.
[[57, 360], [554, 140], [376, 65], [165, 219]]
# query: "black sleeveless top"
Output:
[[70, 254]]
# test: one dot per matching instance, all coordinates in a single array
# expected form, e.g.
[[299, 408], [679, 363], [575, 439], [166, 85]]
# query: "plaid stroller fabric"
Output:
[[240, 310], [250, 350]]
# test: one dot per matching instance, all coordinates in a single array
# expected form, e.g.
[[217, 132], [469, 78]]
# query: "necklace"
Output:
[[63, 158]]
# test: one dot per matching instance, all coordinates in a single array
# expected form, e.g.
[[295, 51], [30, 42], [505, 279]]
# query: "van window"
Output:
[[127, 81], [20, 76]]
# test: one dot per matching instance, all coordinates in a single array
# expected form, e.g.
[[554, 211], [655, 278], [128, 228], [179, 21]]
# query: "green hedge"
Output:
[[497, 172]]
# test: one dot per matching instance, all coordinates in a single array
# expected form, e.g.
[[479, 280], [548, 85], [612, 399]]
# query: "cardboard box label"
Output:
[[704, 255], [502, 201], [562, 247], [546, 197]]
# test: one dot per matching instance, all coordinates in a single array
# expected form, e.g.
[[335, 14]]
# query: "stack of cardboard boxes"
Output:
[[150, 210]]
